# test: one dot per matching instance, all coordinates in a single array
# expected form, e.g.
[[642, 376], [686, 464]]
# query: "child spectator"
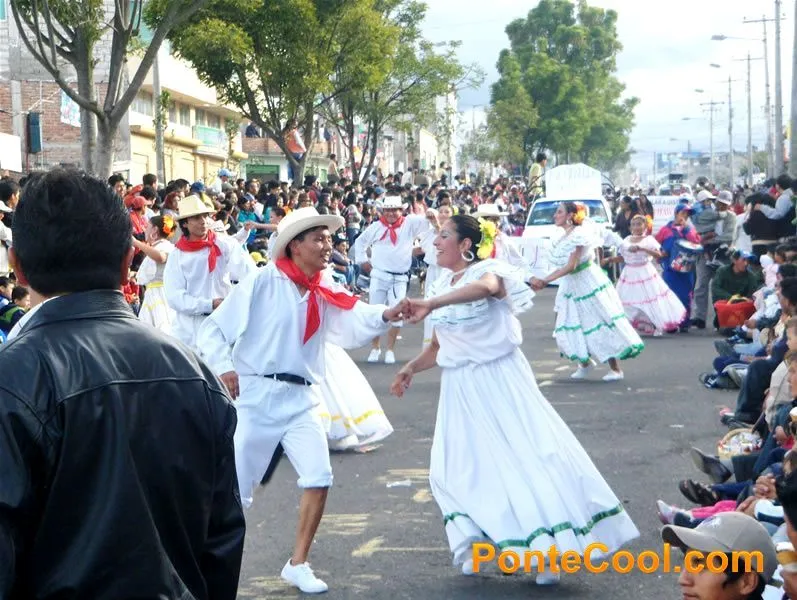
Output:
[[13, 311]]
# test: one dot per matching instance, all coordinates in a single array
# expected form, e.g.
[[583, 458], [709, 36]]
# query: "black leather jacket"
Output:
[[117, 468]]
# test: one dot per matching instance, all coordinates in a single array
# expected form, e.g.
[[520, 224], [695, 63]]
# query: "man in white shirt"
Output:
[[390, 240], [200, 270], [273, 360]]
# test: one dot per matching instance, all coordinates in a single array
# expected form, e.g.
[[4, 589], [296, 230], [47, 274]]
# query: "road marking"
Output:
[[416, 476], [422, 496], [543, 384], [373, 546], [349, 525]]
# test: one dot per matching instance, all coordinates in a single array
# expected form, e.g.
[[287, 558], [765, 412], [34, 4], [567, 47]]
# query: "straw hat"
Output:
[[301, 220], [392, 202], [489, 210], [192, 206]]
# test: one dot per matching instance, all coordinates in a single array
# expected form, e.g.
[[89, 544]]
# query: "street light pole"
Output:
[[749, 121], [768, 112], [711, 105], [730, 130], [779, 143]]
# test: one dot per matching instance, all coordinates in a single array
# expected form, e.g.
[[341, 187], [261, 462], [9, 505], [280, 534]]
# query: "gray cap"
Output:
[[725, 197], [727, 532]]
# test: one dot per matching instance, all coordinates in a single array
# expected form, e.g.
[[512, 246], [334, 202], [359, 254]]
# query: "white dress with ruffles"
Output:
[[505, 468], [590, 320], [649, 303], [155, 310], [349, 409]]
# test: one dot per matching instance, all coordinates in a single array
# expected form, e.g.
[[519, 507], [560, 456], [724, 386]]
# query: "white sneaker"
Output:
[[467, 567], [547, 578], [582, 371], [374, 355], [302, 577], [613, 376], [390, 358]]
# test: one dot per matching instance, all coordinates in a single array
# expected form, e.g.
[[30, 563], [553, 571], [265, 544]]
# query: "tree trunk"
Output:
[[104, 154], [88, 120]]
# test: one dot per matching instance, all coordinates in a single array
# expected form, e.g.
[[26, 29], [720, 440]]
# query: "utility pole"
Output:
[[712, 108], [749, 115], [160, 169], [730, 130], [770, 149], [793, 132], [779, 143]]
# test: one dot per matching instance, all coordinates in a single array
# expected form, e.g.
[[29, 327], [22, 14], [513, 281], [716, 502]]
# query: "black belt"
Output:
[[398, 274], [288, 378]]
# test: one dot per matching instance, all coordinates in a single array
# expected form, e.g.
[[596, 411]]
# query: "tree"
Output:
[[63, 34], [418, 72], [278, 62], [563, 56], [479, 147]]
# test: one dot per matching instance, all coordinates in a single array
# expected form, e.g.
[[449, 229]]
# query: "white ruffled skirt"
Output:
[[505, 468], [649, 303], [350, 411], [155, 310]]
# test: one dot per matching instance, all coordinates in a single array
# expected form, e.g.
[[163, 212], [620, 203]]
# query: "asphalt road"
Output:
[[377, 542]]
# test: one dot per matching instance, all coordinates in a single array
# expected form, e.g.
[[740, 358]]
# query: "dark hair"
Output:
[[19, 293], [540, 157], [148, 193], [300, 238], [280, 212], [8, 187], [71, 233], [113, 180], [784, 182], [788, 289], [732, 576], [787, 496], [571, 208], [467, 227], [158, 223], [787, 270], [149, 180], [4, 281]]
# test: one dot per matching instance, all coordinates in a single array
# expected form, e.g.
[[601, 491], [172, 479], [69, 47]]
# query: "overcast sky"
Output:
[[667, 52]]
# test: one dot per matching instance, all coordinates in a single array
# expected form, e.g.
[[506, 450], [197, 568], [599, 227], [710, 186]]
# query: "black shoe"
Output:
[[699, 323], [711, 466]]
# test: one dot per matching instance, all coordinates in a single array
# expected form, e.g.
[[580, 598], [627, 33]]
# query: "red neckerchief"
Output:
[[391, 229], [297, 276], [187, 246]]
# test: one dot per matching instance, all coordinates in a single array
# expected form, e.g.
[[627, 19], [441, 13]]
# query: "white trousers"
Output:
[[387, 289], [272, 412]]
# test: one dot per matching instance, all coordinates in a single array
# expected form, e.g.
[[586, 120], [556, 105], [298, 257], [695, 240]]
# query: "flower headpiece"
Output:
[[581, 214], [489, 231], [649, 221], [168, 226]]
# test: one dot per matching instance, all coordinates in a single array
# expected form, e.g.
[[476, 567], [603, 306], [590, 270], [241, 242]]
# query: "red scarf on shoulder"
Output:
[[297, 276], [392, 229], [187, 246]]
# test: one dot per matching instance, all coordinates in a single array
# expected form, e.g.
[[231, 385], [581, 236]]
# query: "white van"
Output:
[[568, 183]]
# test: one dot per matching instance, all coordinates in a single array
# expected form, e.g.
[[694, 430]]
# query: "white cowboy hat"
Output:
[[489, 210], [392, 202], [219, 227], [301, 220], [192, 206]]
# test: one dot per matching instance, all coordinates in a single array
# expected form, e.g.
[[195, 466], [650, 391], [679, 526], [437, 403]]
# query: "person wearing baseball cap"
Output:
[[705, 220], [266, 343], [726, 533]]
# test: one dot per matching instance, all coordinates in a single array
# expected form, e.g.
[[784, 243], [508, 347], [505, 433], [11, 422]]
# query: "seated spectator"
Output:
[[15, 310], [728, 533], [735, 279], [6, 289]]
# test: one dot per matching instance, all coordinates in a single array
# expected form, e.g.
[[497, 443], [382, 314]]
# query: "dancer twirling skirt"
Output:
[[649, 303], [590, 320], [349, 409], [505, 469]]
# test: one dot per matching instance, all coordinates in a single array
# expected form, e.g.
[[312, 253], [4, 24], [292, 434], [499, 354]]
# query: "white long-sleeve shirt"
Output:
[[385, 256], [259, 328], [782, 206], [190, 287]]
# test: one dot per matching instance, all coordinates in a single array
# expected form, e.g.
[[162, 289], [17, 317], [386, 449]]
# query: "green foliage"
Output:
[[275, 60], [557, 89]]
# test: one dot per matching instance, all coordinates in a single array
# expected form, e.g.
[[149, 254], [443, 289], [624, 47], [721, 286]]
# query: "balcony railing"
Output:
[[213, 140]]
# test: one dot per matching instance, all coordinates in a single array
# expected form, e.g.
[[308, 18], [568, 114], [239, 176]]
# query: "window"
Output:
[[2, 10], [172, 113], [542, 212], [199, 117], [144, 104], [214, 120], [184, 115]]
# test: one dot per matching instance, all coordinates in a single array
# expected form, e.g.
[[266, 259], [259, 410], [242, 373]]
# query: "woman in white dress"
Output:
[[649, 303], [155, 310], [590, 319], [349, 409], [505, 469], [433, 272]]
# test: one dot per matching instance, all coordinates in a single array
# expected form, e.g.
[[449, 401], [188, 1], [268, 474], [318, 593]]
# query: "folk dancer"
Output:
[[200, 270], [390, 240], [274, 369]]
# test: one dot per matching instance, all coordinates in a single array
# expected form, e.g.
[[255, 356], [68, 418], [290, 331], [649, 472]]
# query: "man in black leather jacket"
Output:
[[117, 473]]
